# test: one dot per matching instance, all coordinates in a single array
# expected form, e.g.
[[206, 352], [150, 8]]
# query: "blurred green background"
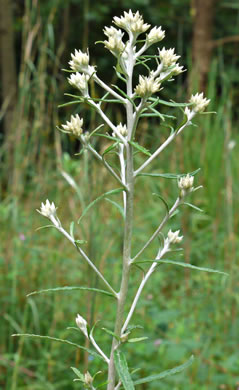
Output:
[[183, 312]]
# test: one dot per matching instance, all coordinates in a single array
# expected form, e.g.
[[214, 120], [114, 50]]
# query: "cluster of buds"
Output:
[[199, 104], [82, 325], [147, 86], [132, 23], [168, 57], [173, 237], [48, 210], [155, 35], [88, 380], [74, 126], [185, 184], [122, 129], [114, 43], [80, 81], [80, 63]]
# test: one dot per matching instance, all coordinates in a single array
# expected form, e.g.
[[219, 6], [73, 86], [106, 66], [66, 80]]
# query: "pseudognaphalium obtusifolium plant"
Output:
[[138, 100]]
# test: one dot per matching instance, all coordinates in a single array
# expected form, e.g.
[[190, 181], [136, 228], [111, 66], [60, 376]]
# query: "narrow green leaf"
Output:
[[108, 137], [170, 104], [94, 131], [67, 288], [137, 340], [111, 147], [69, 103], [80, 242], [163, 374], [111, 333], [79, 374], [117, 205], [122, 370], [112, 192], [163, 200], [140, 148], [169, 175], [60, 341], [193, 206], [187, 265]]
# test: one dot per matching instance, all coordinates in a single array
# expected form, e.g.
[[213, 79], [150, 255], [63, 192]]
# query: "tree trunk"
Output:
[[203, 14]]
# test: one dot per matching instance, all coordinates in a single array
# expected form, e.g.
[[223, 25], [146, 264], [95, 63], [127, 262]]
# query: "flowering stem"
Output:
[[128, 225]]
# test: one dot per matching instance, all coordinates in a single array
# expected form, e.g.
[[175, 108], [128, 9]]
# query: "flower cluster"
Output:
[[147, 86], [80, 63], [114, 43], [199, 103], [155, 35], [186, 182], [132, 23], [168, 57], [80, 81], [47, 210], [173, 237], [122, 129], [74, 126]]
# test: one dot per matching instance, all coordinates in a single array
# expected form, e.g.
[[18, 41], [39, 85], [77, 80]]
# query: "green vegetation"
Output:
[[195, 313]]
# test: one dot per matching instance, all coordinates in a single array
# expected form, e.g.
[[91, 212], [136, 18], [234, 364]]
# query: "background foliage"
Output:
[[184, 312]]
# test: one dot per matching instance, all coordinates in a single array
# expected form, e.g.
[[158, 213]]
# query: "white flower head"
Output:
[[199, 103], [178, 69], [186, 182], [168, 57], [156, 34], [79, 60], [131, 22], [80, 81], [74, 126], [173, 237], [147, 86], [122, 129], [48, 209], [82, 324]]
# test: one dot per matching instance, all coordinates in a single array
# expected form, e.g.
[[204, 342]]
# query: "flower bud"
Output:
[[168, 57], [80, 81], [147, 86], [199, 103], [133, 23], [122, 129], [173, 237], [186, 182], [155, 35], [74, 126], [47, 210], [88, 379], [79, 60], [82, 324]]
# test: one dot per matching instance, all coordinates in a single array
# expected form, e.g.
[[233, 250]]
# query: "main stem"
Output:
[[128, 225]]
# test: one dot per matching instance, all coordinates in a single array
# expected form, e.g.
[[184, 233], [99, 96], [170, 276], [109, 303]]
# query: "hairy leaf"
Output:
[[67, 288], [163, 374], [122, 369]]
